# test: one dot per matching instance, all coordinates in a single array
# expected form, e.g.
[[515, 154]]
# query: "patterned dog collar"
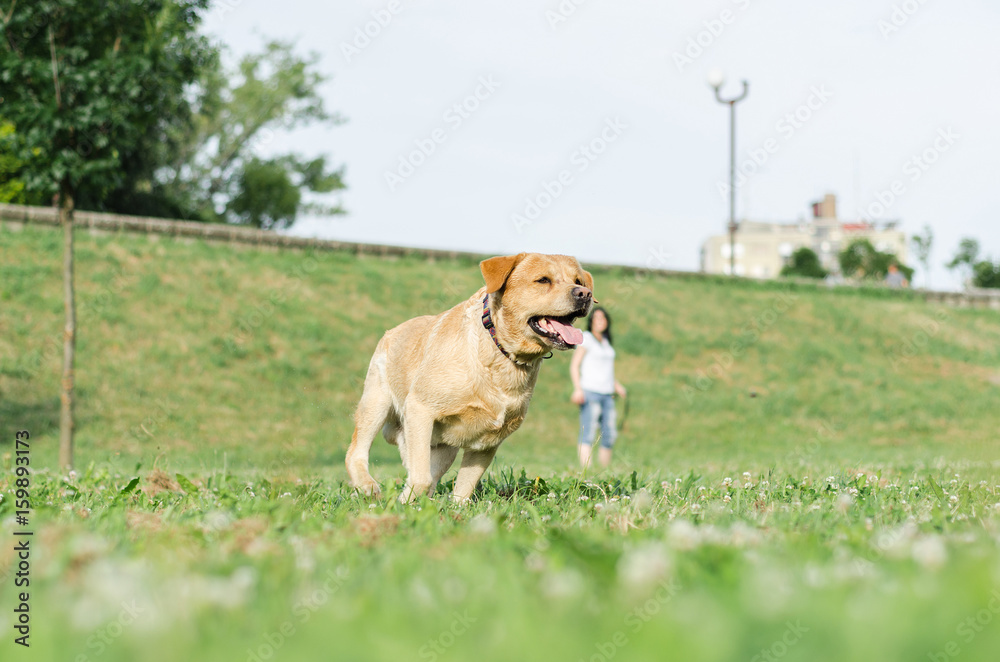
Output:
[[488, 325]]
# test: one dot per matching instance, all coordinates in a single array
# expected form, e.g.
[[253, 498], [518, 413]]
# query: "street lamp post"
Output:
[[716, 78]]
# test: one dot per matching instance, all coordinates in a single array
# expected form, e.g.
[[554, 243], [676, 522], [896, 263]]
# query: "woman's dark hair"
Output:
[[590, 323]]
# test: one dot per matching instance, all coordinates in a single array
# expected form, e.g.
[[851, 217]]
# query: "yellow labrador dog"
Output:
[[463, 379]]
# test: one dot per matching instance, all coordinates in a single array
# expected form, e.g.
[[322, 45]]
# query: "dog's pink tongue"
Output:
[[569, 334]]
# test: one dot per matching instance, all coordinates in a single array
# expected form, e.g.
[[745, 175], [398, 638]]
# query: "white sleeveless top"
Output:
[[597, 370]]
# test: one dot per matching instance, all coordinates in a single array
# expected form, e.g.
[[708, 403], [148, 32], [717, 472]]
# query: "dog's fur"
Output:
[[437, 384]]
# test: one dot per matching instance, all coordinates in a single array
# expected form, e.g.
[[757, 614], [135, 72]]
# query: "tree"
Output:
[[986, 273], [862, 260], [965, 258], [215, 172], [922, 246], [11, 188], [977, 272], [804, 263], [71, 73]]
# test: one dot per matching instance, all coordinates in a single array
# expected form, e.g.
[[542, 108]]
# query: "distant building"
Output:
[[762, 249]]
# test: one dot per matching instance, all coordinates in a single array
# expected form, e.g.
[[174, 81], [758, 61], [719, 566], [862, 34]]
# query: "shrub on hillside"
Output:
[[804, 263], [862, 260]]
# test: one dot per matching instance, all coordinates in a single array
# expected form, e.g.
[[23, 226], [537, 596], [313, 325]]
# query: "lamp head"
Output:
[[716, 78]]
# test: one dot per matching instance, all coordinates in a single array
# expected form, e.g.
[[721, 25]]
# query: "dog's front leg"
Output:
[[474, 464], [418, 426]]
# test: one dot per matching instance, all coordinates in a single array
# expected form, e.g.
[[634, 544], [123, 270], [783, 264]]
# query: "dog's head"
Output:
[[540, 296]]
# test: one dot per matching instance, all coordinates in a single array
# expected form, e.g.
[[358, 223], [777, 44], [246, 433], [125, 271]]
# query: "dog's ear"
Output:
[[496, 270]]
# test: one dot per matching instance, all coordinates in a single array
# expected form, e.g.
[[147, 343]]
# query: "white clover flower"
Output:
[[584, 497], [534, 562], [830, 479], [683, 535], [747, 486], [746, 475], [728, 498], [727, 481], [563, 584], [930, 552], [853, 491], [642, 567], [598, 506], [953, 499], [483, 525], [643, 499]]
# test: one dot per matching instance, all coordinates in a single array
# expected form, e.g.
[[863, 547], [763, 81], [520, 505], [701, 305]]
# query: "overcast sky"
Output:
[[599, 111]]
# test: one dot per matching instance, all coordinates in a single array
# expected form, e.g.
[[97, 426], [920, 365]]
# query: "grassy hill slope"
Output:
[[193, 355], [815, 473]]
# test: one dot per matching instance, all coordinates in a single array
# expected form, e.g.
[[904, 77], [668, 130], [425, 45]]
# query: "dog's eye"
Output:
[[544, 280], [578, 282]]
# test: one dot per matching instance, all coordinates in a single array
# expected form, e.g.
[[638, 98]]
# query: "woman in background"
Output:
[[593, 373]]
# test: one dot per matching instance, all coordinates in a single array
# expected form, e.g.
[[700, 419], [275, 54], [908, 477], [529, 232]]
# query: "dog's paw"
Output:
[[459, 500], [369, 490]]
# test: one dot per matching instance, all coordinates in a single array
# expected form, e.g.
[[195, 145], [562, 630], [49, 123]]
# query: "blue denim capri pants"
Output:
[[598, 408]]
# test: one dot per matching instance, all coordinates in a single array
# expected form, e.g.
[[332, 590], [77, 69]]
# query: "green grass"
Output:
[[866, 525]]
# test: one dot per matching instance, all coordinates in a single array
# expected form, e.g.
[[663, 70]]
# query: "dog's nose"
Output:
[[582, 294]]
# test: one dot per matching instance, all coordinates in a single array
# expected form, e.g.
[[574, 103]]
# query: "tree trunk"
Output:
[[69, 332]]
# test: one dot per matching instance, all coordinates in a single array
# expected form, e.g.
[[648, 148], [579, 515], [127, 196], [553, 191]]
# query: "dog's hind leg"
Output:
[[474, 464], [371, 415], [442, 457]]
